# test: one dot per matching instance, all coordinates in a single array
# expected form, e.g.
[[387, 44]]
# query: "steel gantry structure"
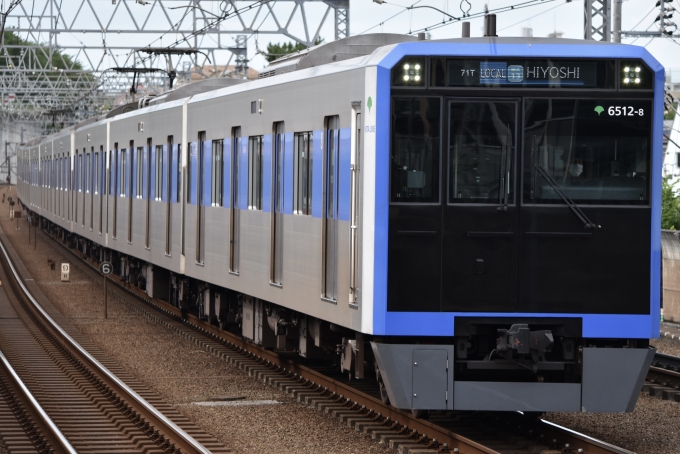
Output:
[[56, 59]]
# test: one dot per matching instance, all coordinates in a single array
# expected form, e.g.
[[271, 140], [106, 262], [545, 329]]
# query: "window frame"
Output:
[[255, 172], [217, 170], [302, 173], [158, 176]]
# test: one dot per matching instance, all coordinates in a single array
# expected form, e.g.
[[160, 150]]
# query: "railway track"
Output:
[[96, 406], [663, 378], [25, 425], [444, 432]]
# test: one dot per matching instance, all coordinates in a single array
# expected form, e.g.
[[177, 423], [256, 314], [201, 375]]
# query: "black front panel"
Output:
[[415, 215], [568, 269], [537, 203], [479, 248]]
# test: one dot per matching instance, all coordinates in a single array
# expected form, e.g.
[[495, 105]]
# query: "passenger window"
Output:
[[96, 173], [302, 194], [139, 172], [415, 154], [189, 172], [255, 173], [217, 172], [178, 153], [580, 149], [81, 174], [123, 172], [158, 184]]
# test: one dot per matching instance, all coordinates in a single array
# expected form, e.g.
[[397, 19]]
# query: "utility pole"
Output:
[[596, 24], [616, 22]]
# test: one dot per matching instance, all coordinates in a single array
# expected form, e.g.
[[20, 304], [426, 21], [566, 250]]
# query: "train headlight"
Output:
[[635, 74], [409, 72]]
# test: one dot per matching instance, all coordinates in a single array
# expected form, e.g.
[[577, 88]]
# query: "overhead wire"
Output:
[[406, 8], [503, 9], [535, 15]]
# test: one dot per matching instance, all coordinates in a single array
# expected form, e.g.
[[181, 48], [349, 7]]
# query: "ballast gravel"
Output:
[[183, 374], [180, 372]]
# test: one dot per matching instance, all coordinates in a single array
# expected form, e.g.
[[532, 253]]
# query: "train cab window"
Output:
[[158, 175], [415, 154], [139, 174], [217, 172], [255, 173], [302, 197], [593, 152], [481, 151]]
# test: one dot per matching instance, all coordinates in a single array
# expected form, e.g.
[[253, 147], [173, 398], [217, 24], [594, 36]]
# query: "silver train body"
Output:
[[258, 205]]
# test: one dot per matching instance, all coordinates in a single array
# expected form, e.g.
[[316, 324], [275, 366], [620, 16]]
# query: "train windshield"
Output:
[[597, 152], [416, 125]]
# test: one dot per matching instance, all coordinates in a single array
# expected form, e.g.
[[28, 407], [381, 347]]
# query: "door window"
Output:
[[481, 152]]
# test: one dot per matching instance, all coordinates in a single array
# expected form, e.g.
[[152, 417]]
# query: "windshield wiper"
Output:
[[570, 203]]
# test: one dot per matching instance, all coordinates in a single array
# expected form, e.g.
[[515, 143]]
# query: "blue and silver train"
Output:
[[474, 223]]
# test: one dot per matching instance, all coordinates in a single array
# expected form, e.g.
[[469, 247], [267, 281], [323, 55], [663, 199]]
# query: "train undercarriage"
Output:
[[548, 353]]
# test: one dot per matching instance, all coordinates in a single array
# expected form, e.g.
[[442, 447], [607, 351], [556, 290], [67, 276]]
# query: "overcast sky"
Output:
[[543, 17]]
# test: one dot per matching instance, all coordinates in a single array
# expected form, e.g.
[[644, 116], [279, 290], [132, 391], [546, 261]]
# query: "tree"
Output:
[[670, 205], [57, 60], [279, 50], [3, 16]]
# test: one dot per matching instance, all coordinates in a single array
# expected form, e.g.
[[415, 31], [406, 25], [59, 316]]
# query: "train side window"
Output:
[[113, 158], [96, 173], [177, 159], [158, 183], [217, 172], [189, 171], [81, 174], [255, 173], [415, 155], [302, 174], [123, 172], [139, 173]]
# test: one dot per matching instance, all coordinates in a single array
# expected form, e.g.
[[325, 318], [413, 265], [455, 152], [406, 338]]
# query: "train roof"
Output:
[[367, 50]]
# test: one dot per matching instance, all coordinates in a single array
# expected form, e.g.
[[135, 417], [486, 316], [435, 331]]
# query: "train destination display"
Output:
[[476, 73]]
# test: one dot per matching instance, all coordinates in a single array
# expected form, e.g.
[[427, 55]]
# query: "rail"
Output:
[[47, 427], [176, 435], [404, 421]]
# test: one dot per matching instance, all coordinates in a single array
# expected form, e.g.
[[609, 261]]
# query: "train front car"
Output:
[[517, 221]]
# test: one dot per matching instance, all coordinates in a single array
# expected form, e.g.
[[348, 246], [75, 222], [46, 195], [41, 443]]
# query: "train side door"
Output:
[[276, 257], [480, 213]]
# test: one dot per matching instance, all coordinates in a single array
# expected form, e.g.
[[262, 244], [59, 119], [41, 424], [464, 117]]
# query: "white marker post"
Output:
[[65, 272], [106, 268]]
